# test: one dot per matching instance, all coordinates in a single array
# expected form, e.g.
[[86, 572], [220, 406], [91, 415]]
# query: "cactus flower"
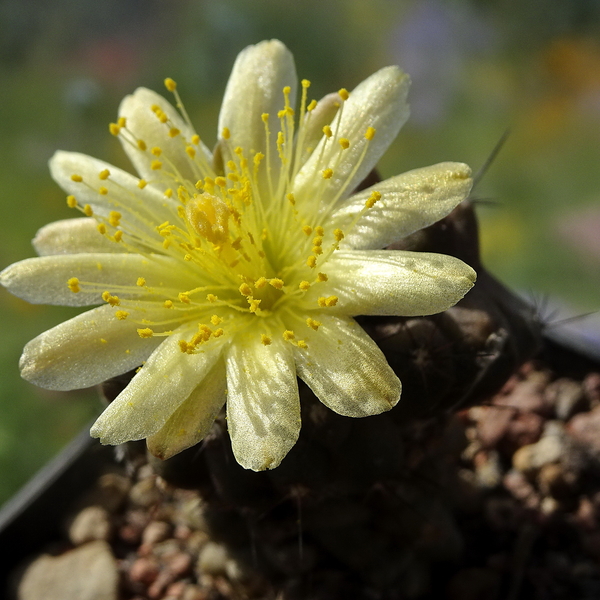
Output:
[[227, 275]]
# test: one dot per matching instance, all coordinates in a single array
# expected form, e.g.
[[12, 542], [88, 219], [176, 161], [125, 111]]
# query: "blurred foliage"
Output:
[[478, 68]]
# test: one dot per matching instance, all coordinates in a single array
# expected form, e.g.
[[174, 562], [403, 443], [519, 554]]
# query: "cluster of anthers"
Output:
[[260, 261]]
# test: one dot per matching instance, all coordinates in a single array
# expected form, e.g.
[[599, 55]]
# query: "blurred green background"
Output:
[[478, 68]]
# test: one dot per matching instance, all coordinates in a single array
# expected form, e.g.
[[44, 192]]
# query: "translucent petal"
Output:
[[86, 350], [44, 279], [141, 209], [191, 422], [146, 126], [409, 202], [263, 407], [345, 368], [157, 391], [73, 236], [393, 282], [255, 87], [379, 102]]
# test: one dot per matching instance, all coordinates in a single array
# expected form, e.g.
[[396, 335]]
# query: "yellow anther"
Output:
[[183, 297], [288, 335], [170, 84], [155, 165], [302, 344], [319, 230], [183, 346], [265, 117], [331, 301], [73, 285], [156, 151], [142, 183], [265, 339], [291, 199], [146, 333], [168, 304], [225, 133], [166, 244], [257, 158], [311, 105], [344, 143], [195, 139], [174, 132], [105, 174], [141, 282], [122, 121], [103, 341], [260, 283], [87, 210], [307, 230], [212, 297], [327, 173], [121, 315], [344, 94], [216, 320], [327, 131], [141, 144], [317, 241], [286, 90], [305, 83], [190, 151], [188, 257], [155, 108], [322, 301], [322, 277], [114, 218], [245, 290], [370, 133], [218, 332], [338, 234], [221, 181], [114, 129], [102, 190], [374, 197], [304, 285], [112, 300], [313, 324], [76, 178], [311, 261], [276, 283], [118, 236], [101, 227], [168, 192], [317, 250], [71, 201], [254, 304]]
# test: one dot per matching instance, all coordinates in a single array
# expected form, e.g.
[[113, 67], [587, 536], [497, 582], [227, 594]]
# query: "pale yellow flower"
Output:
[[228, 274]]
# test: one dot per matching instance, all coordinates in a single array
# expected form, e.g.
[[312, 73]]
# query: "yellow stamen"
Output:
[[145, 333], [73, 285]]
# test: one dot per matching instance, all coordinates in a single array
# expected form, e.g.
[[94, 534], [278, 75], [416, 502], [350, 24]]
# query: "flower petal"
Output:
[[73, 236], [44, 279], [255, 87], [263, 407], [379, 102], [192, 421], [85, 351], [143, 122], [142, 209], [409, 202], [394, 282], [346, 369], [157, 391]]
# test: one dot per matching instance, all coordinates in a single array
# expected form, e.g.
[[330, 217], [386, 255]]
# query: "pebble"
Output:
[[91, 523], [88, 572], [566, 397], [144, 570], [584, 427], [145, 493], [550, 448], [591, 389], [212, 559], [156, 531]]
